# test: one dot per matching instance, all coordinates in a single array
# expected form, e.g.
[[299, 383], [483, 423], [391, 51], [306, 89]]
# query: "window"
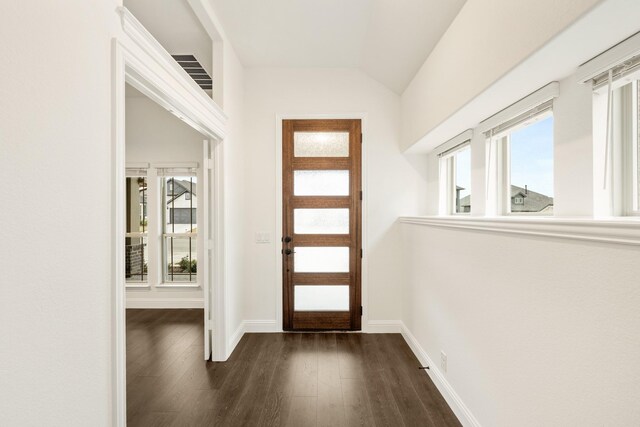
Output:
[[524, 164], [455, 171], [634, 169], [136, 252], [626, 148], [179, 235], [614, 76]]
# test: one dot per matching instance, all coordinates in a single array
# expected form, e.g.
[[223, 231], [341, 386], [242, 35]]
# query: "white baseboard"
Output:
[[235, 339], [165, 303], [261, 326], [453, 399], [383, 327]]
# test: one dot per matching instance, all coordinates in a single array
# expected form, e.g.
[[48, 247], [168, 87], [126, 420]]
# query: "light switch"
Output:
[[263, 237]]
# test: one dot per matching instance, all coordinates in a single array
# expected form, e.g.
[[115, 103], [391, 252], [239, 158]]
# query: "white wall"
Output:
[[394, 186], [55, 146], [234, 197], [536, 331], [153, 135], [485, 41]]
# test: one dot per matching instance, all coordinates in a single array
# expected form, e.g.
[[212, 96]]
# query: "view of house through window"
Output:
[[530, 180], [179, 228], [136, 253]]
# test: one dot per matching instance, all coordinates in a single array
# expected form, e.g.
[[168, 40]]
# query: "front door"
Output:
[[322, 232]]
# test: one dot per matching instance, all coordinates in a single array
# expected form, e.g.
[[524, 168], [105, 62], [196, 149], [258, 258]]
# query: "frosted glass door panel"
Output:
[[321, 221], [321, 298], [321, 144], [324, 259], [321, 183]]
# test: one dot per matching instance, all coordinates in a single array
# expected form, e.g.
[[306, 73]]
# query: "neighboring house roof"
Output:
[[180, 187], [533, 201]]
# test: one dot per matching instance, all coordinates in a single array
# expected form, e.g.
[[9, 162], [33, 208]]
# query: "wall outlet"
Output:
[[443, 361], [263, 237]]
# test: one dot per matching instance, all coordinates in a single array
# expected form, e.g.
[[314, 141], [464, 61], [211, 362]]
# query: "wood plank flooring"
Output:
[[299, 380]]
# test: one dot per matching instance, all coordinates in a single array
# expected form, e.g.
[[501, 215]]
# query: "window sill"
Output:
[[178, 286], [140, 285], [622, 231]]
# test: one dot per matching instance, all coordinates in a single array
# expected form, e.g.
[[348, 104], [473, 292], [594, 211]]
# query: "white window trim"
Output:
[[634, 174], [177, 285], [539, 97], [628, 149], [609, 59], [613, 178], [170, 170], [614, 175], [138, 170], [505, 206], [537, 106], [447, 172]]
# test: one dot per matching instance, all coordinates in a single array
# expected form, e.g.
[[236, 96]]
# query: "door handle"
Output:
[[288, 252]]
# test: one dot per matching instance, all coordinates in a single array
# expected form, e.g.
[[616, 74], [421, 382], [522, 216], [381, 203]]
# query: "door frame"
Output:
[[138, 59], [364, 276]]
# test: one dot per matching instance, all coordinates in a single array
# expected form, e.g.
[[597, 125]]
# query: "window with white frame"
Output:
[[622, 148], [179, 225], [455, 169], [634, 166], [136, 235], [614, 76], [521, 158]]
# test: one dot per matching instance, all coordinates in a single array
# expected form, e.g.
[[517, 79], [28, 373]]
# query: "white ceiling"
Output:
[[387, 39]]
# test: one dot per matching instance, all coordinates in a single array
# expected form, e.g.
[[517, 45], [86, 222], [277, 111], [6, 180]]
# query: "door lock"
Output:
[[288, 251]]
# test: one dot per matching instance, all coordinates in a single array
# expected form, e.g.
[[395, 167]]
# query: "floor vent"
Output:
[[195, 70]]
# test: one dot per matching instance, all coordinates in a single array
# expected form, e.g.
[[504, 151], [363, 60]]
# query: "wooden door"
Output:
[[322, 226]]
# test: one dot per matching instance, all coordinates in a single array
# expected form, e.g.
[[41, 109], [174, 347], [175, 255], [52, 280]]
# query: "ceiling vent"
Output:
[[195, 70]]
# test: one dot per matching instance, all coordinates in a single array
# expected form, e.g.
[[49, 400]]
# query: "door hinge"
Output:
[[361, 253], [360, 138], [360, 194], [361, 311], [209, 163]]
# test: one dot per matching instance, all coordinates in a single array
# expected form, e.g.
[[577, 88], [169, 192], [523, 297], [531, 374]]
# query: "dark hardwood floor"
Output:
[[306, 379]]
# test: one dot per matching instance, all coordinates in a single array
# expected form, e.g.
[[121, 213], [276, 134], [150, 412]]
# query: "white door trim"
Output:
[[278, 225], [138, 59]]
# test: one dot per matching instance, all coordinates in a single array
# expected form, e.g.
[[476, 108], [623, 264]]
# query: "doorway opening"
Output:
[[141, 240], [322, 224]]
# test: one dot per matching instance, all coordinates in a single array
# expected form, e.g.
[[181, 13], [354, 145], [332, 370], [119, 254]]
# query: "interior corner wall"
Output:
[[233, 149], [395, 183], [485, 41], [154, 135], [55, 252]]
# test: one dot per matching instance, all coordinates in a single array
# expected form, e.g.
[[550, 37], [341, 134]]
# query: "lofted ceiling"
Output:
[[174, 24], [387, 39]]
